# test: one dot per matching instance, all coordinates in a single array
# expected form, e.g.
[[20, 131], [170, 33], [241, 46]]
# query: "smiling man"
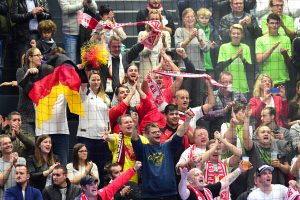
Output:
[[157, 159], [192, 185], [266, 190]]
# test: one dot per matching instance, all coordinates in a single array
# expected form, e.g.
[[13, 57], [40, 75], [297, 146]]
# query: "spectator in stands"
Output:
[[212, 34], [130, 190], [182, 99], [294, 108], [8, 161], [262, 97], [124, 95], [70, 26], [250, 32], [235, 57], [5, 34], [273, 51], [215, 169], [27, 15], [46, 44], [107, 16], [117, 64], [295, 60], [61, 187], [168, 91], [81, 165], [95, 120], [195, 43], [238, 15], [225, 99], [191, 156], [233, 131], [265, 188], [32, 60], [89, 185], [260, 152], [42, 163], [22, 141], [22, 190], [167, 20], [194, 4], [193, 186], [285, 25], [156, 158], [120, 143], [268, 118], [223, 7], [149, 58]]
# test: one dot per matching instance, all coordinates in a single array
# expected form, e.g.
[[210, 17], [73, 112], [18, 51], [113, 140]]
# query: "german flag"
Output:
[[46, 88]]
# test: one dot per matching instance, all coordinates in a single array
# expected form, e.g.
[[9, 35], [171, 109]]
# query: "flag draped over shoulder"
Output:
[[45, 87]]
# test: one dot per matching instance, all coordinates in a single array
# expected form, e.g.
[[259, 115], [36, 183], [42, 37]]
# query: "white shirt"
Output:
[[95, 118], [198, 114], [185, 156], [58, 124], [278, 193]]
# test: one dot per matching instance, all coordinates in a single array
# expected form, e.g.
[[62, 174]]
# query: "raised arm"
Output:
[[261, 57], [184, 192], [248, 142], [183, 128], [210, 98]]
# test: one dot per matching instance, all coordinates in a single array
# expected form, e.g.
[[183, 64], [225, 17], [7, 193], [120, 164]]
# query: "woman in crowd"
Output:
[[195, 43], [42, 163], [149, 58], [81, 166], [235, 57], [32, 60], [265, 96], [94, 122]]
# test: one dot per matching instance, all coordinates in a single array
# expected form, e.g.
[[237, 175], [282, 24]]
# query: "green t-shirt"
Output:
[[206, 55], [236, 68], [287, 20], [274, 65]]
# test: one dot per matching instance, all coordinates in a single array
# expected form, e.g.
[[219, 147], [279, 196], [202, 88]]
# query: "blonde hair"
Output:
[[156, 12], [237, 26], [204, 12], [185, 12], [256, 90]]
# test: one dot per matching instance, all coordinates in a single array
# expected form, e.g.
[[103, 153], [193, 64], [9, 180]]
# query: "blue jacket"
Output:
[[15, 193]]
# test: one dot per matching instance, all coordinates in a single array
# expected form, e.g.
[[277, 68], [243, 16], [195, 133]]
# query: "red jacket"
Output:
[[119, 110], [108, 192], [281, 107]]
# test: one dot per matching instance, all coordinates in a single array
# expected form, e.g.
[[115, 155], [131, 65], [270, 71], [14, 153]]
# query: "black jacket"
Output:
[[52, 192], [20, 15]]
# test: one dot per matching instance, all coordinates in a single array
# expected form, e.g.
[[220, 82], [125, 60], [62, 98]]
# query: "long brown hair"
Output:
[[100, 93], [28, 53], [38, 153], [76, 149]]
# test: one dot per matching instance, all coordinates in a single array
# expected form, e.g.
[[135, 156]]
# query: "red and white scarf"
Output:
[[199, 194], [83, 197], [120, 150], [211, 178]]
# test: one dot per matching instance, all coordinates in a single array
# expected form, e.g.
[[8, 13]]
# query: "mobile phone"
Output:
[[274, 90]]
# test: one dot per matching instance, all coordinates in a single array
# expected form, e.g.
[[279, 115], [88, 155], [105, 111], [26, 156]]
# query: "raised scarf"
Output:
[[199, 194], [121, 150], [211, 178]]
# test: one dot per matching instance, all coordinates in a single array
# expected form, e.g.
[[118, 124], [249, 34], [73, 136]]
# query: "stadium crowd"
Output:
[[147, 128]]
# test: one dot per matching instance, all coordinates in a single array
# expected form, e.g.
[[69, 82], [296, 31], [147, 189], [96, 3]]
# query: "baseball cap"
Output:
[[87, 180], [262, 168]]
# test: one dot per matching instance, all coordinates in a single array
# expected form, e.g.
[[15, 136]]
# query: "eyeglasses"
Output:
[[82, 151]]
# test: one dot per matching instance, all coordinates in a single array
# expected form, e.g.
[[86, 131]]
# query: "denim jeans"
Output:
[[71, 45], [99, 153], [60, 146]]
